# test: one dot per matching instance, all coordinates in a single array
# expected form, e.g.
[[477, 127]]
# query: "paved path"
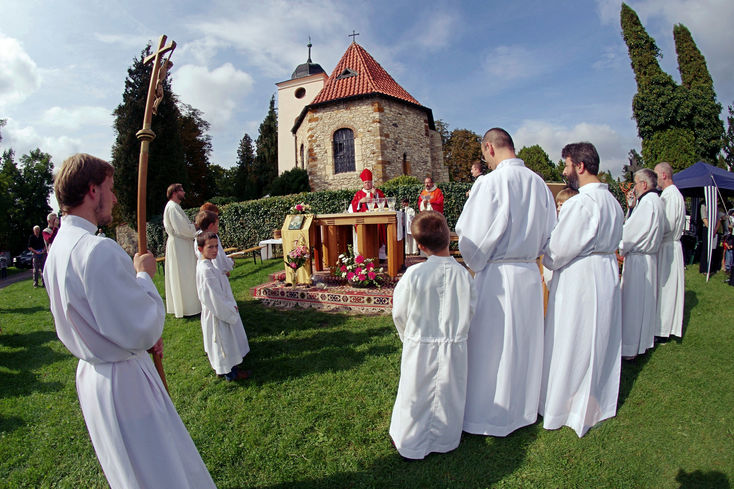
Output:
[[17, 277]]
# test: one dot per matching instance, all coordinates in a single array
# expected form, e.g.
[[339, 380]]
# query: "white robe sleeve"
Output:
[[401, 299], [131, 313], [214, 297], [636, 231], [573, 234]]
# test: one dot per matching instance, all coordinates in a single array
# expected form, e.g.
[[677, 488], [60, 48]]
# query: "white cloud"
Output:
[[216, 93], [24, 139], [19, 76], [612, 147], [511, 63], [76, 117]]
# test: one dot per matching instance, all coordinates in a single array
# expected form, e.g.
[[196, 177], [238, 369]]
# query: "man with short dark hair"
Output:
[[107, 313], [583, 325], [181, 297], [37, 246], [671, 277], [641, 237], [505, 223]]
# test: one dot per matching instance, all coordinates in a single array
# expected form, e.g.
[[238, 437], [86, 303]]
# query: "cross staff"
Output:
[[146, 135]]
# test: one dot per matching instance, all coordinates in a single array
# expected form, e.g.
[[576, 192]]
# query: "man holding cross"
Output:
[[108, 313]]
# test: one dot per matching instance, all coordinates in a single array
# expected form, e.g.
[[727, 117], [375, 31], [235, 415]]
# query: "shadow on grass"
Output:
[[22, 310], [10, 423], [28, 354], [295, 343], [479, 461], [690, 301], [630, 370], [702, 480]]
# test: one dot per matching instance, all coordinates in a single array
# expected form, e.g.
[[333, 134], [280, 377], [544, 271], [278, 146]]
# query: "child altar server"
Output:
[[432, 307], [225, 341]]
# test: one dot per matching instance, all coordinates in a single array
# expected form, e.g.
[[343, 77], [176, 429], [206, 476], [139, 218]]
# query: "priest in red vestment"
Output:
[[366, 194], [431, 197]]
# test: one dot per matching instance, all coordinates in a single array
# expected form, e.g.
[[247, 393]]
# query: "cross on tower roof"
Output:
[[353, 35]]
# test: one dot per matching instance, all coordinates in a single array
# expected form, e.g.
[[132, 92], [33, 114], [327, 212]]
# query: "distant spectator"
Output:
[[49, 233], [37, 246], [3, 265], [101, 233]]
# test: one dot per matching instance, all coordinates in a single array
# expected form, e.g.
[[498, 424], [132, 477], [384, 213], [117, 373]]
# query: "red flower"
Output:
[[370, 266], [344, 268], [359, 271], [350, 275], [359, 259], [361, 277], [371, 275]]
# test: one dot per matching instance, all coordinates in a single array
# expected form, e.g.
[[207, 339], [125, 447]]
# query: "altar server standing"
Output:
[[671, 277], [506, 222], [181, 299], [108, 315], [641, 237], [432, 307], [583, 332]]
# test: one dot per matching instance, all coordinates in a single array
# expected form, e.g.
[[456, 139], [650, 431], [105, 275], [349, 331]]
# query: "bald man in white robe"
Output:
[[506, 222]]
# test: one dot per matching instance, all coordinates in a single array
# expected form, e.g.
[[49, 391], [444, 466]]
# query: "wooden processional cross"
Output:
[[146, 135]]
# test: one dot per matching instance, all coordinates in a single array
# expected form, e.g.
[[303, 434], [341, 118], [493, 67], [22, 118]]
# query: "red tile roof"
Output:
[[371, 78]]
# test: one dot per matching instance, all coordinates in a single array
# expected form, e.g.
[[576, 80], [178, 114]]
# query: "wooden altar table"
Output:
[[337, 234]]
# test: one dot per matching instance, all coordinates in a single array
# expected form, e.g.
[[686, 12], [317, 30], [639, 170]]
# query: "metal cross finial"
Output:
[[353, 35], [309, 48]]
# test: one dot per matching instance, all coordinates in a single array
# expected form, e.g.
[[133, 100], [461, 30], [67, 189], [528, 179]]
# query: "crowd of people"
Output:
[[492, 359], [478, 354]]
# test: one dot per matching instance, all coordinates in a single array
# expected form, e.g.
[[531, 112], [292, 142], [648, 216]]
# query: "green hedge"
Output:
[[244, 224]]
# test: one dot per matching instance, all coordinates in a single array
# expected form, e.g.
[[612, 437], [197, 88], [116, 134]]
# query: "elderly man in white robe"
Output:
[[583, 325], [108, 313], [671, 277], [641, 237], [506, 222], [181, 298]]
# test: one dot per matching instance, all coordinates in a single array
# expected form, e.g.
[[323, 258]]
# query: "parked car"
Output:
[[24, 260]]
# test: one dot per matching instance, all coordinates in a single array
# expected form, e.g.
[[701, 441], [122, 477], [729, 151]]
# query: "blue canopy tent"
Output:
[[704, 180]]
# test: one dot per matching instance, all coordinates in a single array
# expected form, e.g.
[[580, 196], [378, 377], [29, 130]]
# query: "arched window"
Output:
[[303, 163], [343, 151]]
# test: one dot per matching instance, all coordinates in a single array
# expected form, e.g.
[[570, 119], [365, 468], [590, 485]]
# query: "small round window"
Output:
[[301, 92]]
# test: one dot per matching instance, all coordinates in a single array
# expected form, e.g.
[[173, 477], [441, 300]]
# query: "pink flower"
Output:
[[293, 265], [350, 275], [370, 266], [371, 275], [361, 277], [299, 207], [359, 271], [359, 259], [343, 268]]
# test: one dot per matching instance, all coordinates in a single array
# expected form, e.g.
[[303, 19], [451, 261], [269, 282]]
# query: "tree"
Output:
[[245, 183], [635, 163], [266, 159], [729, 140], [290, 182], [166, 157], [197, 146], [442, 128], [706, 125], [24, 199], [659, 104], [461, 150], [538, 160]]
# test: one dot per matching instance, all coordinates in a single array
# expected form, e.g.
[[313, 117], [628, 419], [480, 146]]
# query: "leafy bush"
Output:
[[290, 182]]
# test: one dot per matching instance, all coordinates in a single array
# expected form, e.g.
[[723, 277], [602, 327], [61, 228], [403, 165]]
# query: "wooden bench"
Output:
[[255, 250]]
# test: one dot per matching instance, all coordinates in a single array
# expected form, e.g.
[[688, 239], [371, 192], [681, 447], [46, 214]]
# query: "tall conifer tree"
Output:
[[166, 158], [708, 129], [244, 185], [266, 159]]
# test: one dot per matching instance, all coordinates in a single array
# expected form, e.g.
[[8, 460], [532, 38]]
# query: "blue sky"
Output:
[[549, 72]]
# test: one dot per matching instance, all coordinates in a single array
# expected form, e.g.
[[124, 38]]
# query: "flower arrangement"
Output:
[[358, 270], [297, 257], [300, 209]]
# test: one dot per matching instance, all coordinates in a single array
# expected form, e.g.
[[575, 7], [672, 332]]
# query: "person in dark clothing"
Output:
[[37, 246]]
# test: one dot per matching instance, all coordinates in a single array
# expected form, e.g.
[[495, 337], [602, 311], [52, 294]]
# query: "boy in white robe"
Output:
[[225, 340], [108, 313], [432, 307], [209, 221], [410, 247]]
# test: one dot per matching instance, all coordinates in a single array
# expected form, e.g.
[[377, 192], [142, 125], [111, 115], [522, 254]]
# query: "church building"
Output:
[[357, 118]]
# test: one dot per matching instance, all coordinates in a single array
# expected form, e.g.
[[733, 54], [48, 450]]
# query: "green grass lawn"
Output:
[[317, 412]]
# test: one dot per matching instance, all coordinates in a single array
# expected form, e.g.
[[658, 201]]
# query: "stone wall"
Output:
[[390, 138]]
